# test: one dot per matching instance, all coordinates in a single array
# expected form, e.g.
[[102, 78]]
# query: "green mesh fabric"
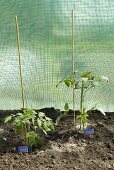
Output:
[[46, 51]]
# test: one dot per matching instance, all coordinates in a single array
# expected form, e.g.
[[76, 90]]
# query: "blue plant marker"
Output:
[[22, 149], [89, 131]]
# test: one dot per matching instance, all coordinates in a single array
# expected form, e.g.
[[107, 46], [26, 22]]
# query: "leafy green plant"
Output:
[[28, 123], [45, 123], [63, 114], [85, 82]]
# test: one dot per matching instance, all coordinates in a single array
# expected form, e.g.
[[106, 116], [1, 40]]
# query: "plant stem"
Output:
[[82, 104], [82, 98], [25, 133]]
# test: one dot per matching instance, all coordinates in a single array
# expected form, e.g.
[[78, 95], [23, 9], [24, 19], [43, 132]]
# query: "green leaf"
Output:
[[19, 128], [72, 81], [86, 74], [79, 117], [47, 118], [8, 118], [32, 136], [19, 114], [85, 115], [82, 116], [45, 126], [41, 114], [48, 130], [44, 131], [105, 78], [66, 107], [101, 78], [58, 119], [67, 82], [39, 123], [98, 78], [84, 79], [59, 83]]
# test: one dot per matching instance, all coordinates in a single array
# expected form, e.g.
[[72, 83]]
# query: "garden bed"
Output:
[[65, 148]]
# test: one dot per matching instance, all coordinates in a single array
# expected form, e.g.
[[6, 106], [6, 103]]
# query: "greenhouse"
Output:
[[57, 84]]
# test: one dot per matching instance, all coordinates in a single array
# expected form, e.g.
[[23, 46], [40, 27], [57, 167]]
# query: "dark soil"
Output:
[[64, 149]]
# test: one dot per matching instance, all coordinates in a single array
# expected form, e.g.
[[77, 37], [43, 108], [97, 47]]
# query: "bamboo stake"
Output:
[[19, 59], [73, 94]]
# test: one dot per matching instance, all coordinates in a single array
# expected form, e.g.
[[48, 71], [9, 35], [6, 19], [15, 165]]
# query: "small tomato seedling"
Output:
[[28, 122], [85, 82]]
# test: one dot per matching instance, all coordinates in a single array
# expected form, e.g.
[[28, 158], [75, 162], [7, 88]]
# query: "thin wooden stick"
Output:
[[19, 58], [73, 94]]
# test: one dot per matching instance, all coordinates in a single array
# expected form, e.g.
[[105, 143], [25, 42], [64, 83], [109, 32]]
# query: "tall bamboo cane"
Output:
[[19, 59], [73, 94]]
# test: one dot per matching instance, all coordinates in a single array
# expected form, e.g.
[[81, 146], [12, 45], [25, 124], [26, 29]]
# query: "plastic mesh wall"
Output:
[[46, 51]]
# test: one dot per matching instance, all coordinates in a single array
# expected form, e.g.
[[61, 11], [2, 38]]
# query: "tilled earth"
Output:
[[65, 148]]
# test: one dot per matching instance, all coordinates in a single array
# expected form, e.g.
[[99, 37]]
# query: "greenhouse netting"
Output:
[[46, 51]]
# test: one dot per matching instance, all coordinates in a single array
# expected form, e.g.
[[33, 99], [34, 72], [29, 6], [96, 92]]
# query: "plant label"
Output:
[[88, 133], [22, 149]]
